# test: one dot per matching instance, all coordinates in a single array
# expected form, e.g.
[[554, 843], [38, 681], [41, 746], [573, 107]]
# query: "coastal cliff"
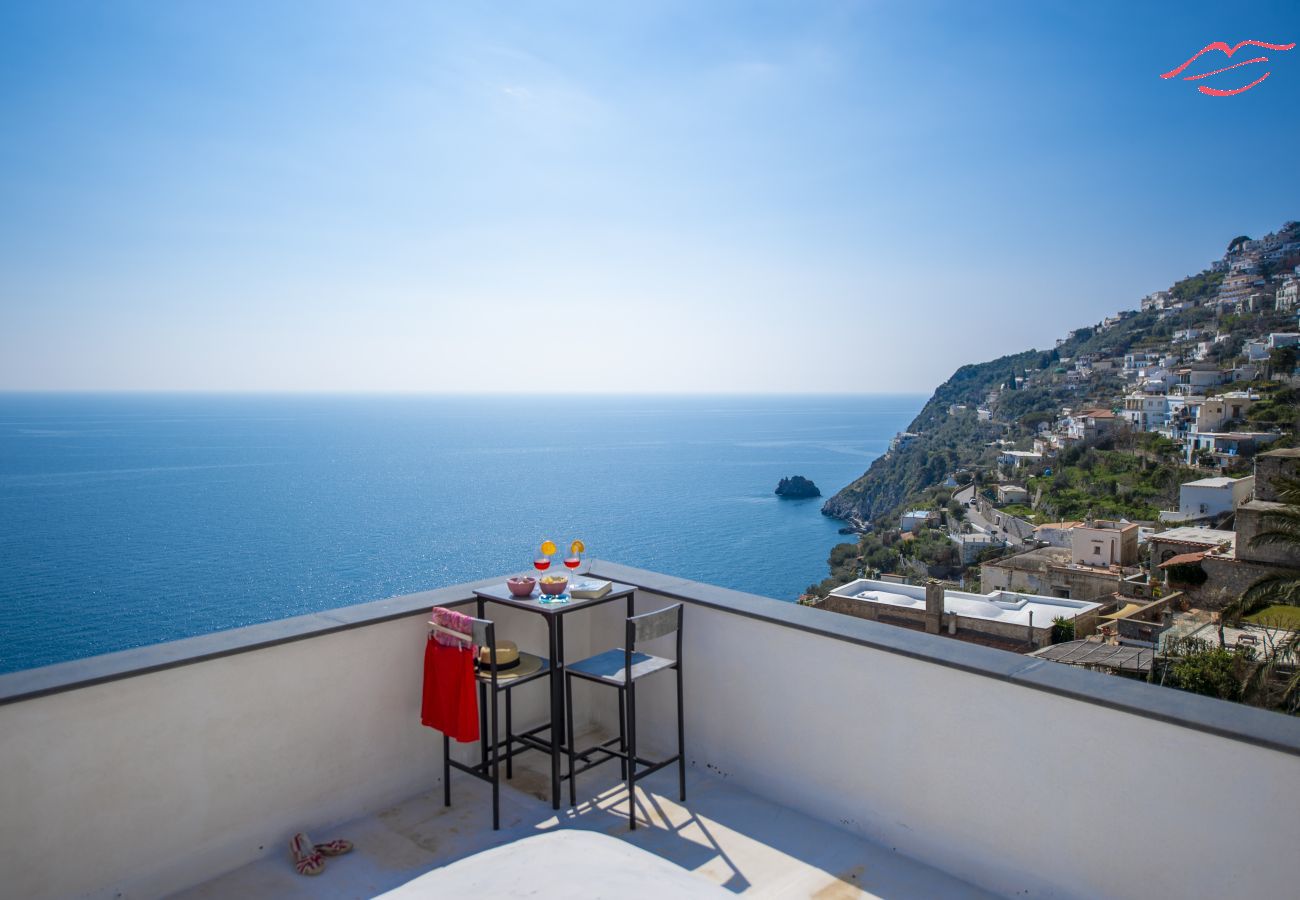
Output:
[[1220, 324], [944, 441]]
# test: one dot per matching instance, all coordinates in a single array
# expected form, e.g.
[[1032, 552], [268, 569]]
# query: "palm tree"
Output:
[[1281, 528]]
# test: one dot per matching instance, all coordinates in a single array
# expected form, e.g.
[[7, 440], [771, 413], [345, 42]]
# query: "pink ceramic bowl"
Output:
[[522, 586], [551, 588]]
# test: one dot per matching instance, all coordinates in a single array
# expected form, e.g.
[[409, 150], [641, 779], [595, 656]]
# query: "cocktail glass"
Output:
[[572, 563]]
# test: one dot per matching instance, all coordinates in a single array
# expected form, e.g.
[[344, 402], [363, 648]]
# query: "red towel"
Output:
[[450, 700]]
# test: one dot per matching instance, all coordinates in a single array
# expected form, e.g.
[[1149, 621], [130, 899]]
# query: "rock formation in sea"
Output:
[[797, 487]]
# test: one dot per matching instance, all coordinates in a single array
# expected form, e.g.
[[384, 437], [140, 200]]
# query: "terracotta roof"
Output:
[[1184, 559]]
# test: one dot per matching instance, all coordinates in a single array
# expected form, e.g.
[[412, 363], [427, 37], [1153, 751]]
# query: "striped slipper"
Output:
[[335, 848], [306, 859]]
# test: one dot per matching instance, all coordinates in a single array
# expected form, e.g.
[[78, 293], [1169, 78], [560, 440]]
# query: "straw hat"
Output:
[[511, 663]]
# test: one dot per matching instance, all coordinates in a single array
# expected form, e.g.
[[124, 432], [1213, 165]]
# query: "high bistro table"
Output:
[[554, 614]]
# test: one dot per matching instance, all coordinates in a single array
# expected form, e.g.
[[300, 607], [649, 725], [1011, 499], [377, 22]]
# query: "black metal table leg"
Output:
[[482, 713], [557, 709], [559, 655], [510, 737]]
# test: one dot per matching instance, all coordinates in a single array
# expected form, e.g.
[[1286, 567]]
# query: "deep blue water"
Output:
[[133, 519]]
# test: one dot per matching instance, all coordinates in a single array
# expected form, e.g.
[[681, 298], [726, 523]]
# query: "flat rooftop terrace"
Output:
[[827, 756], [1006, 607], [723, 837]]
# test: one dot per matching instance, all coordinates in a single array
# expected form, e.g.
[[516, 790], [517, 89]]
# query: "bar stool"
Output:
[[621, 669], [493, 679]]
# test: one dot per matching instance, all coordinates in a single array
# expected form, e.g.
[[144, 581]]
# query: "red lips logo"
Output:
[[1225, 49]]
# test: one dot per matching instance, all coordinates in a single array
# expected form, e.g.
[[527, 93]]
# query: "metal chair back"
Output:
[[648, 626]]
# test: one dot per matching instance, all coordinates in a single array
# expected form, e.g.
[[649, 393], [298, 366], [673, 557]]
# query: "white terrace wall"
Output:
[[1015, 789], [143, 785], [140, 786]]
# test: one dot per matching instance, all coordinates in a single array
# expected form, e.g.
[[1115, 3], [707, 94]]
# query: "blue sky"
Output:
[[609, 197]]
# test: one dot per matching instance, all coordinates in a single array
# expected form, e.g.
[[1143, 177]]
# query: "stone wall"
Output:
[[1081, 583], [1008, 527], [1250, 522], [1270, 465], [1055, 581], [1227, 580]]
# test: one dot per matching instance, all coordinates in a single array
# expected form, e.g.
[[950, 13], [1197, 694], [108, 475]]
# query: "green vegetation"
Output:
[[1263, 676], [1062, 630], [872, 554], [845, 566], [1020, 511], [1110, 484], [1278, 406], [931, 547], [1198, 287], [1125, 475], [878, 553], [1201, 668], [1277, 616], [947, 443]]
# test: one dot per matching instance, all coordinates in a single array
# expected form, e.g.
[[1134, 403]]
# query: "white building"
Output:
[[1212, 413], [1226, 448], [1202, 376], [916, 519], [1003, 613], [970, 546], [1017, 458], [1288, 294], [1012, 493], [1055, 534], [902, 439], [1104, 543], [1207, 498], [1156, 300], [1146, 412]]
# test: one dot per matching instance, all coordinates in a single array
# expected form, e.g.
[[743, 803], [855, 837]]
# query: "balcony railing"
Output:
[[152, 770]]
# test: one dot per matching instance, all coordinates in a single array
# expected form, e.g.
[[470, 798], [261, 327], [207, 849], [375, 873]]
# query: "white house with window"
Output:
[[1288, 294], [1208, 498], [1146, 412]]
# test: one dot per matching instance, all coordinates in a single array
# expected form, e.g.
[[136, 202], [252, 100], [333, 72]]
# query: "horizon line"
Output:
[[353, 392]]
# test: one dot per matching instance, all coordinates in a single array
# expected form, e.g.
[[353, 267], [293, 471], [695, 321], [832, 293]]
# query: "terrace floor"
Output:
[[723, 834]]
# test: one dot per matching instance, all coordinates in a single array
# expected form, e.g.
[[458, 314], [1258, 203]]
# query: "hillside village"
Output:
[[1098, 503]]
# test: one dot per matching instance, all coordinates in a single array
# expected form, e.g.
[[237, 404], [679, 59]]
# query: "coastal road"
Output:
[[977, 519], [973, 514]]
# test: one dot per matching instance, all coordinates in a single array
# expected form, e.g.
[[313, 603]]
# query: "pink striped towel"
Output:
[[456, 621]]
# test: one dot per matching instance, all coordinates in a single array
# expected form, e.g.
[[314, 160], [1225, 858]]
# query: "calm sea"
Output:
[[133, 519]]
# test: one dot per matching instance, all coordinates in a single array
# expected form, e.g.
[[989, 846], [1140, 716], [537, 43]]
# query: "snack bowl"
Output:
[[522, 585], [551, 585]]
